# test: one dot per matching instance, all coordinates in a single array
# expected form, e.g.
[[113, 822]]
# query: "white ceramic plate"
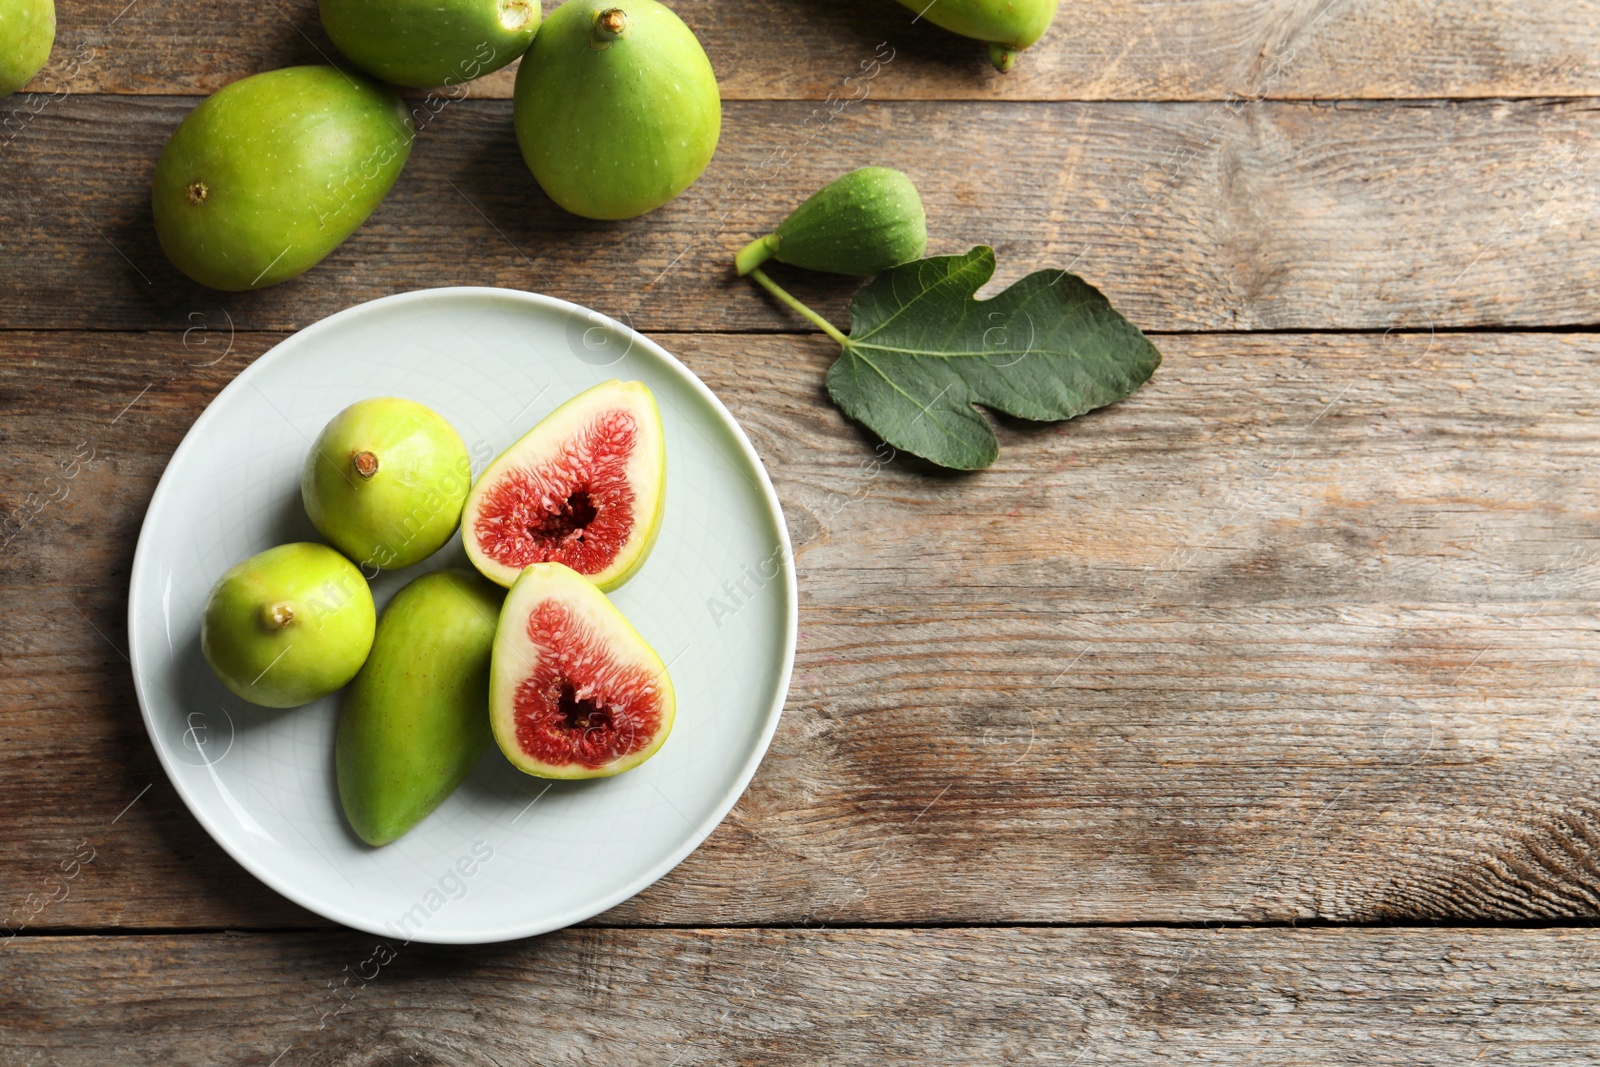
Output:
[[507, 855]]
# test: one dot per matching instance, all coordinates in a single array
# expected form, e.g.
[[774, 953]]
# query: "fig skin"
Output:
[[1008, 26], [428, 43], [861, 223], [515, 657], [613, 127], [413, 723], [647, 477], [27, 33], [385, 481], [269, 175], [289, 625]]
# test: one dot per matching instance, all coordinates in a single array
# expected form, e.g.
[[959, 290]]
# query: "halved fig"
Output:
[[585, 488], [574, 691]]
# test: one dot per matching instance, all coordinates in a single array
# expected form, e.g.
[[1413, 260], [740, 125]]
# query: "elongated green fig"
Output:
[[27, 31], [574, 692], [288, 625], [1008, 25], [416, 718], [616, 107], [385, 480], [862, 223], [270, 174], [424, 43]]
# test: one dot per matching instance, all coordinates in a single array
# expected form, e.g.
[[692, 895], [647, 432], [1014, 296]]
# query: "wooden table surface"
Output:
[[1250, 720]]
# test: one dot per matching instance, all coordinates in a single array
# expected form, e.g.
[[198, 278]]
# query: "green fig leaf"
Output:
[[923, 350]]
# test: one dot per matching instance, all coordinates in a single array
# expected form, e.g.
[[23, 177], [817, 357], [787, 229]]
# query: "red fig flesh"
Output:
[[574, 691], [584, 488]]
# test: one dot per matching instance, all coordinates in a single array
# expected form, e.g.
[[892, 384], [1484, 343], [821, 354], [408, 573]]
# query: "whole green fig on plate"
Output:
[[417, 716], [385, 481], [616, 107], [425, 43], [1008, 25], [289, 625], [862, 223], [27, 31], [270, 174]]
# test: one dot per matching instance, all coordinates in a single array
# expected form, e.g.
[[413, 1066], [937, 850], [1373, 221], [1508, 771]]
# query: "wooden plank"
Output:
[[1098, 50], [687, 997], [1189, 216], [1301, 630]]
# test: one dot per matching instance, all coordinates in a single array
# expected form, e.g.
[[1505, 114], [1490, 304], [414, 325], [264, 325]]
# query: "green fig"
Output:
[[1008, 25], [289, 625], [27, 31], [416, 719], [385, 481], [863, 223], [270, 174], [424, 43], [616, 107]]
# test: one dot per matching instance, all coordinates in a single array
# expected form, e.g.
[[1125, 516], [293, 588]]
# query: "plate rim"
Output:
[[691, 841]]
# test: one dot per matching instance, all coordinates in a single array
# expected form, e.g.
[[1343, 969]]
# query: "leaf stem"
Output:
[[776, 290]]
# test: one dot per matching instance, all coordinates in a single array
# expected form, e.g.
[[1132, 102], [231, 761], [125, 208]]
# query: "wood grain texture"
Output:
[[1301, 630], [809, 996], [1281, 216], [807, 49]]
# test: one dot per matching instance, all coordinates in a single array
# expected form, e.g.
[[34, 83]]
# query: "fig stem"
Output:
[[366, 464], [277, 616], [609, 25], [514, 14], [823, 324], [1002, 57], [756, 253]]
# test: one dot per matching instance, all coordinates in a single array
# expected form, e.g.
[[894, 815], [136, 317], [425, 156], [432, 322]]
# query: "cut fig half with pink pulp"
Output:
[[574, 691], [584, 488]]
